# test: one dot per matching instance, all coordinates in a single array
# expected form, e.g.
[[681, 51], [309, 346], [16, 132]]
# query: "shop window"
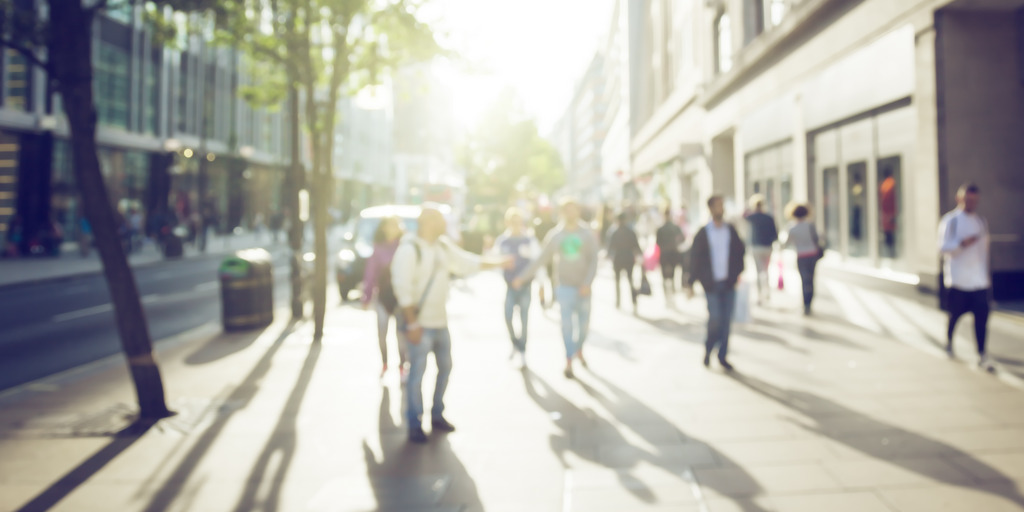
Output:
[[723, 43], [775, 11], [890, 218], [830, 208], [857, 201]]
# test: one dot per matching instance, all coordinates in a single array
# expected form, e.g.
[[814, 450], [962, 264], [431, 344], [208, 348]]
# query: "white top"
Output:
[[719, 239], [409, 277], [964, 268]]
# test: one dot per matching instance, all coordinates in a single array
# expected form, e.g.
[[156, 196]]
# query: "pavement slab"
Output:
[[820, 415]]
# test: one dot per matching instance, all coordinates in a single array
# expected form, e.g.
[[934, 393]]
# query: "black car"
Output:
[[358, 244]]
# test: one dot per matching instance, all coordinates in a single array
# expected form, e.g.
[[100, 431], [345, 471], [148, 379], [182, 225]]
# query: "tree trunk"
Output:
[[70, 45], [296, 181], [317, 134]]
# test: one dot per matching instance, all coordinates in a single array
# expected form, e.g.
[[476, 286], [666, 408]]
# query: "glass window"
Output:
[[151, 96], [889, 208], [857, 201], [17, 81], [723, 43], [830, 208], [776, 10], [111, 83]]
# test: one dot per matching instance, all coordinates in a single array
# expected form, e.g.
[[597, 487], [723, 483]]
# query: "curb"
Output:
[[79, 275]]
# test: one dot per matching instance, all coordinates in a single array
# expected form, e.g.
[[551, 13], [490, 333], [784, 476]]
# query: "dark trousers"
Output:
[[806, 268], [721, 302], [976, 303], [627, 269]]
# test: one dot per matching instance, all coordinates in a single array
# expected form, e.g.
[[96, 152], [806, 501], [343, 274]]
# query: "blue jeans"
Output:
[[575, 318], [721, 302], [517, 298], [439, 342]]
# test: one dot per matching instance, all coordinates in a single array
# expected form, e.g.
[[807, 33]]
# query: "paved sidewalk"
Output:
[[821, 415], [70, 263]]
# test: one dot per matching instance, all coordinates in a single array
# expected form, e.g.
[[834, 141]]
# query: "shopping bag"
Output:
[[780, 273], [651, 258], [741, 311]]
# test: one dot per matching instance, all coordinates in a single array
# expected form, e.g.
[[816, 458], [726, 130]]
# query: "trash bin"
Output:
[[172, 247], [247, 290]]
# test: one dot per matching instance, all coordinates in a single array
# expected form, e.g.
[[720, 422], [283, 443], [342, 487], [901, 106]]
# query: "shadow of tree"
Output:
[[900, 445], [417, 477], [282, 441], [89, 467], [243, 394]]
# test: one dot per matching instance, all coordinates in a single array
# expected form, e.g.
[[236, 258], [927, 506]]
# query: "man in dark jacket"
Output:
[[716, 260], [623, 250]]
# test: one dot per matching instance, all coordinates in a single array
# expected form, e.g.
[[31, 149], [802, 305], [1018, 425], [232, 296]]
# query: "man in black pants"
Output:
[[624, 249], [964, 244], [716, 260]]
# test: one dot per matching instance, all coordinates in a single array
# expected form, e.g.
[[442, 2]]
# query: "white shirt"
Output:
[[719, 239], [964, 268], [411, 273]]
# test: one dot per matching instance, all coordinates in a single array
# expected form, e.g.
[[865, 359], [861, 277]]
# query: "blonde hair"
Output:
[[512, 213], [756, 201]]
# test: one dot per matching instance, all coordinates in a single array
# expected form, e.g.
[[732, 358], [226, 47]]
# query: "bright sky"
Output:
[[539, 47]]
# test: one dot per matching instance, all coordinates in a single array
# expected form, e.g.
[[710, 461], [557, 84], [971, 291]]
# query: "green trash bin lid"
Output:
[[234, 267]]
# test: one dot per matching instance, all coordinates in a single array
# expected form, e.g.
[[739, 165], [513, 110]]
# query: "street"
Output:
[[51, 326], [820, 415]]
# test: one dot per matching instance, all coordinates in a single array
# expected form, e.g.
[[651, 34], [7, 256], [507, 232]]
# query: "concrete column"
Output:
[[801, 177], [925, 195]]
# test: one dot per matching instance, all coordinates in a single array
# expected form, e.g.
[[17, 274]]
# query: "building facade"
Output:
[[874, 111], [172, 126]]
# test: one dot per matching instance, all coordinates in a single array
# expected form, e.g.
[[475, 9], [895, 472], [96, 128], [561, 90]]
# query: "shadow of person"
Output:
[[655, 429], [573, 422], [407, 476], [898, 447]]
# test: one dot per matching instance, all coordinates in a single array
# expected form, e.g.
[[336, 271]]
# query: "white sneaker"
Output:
[[985, 363]]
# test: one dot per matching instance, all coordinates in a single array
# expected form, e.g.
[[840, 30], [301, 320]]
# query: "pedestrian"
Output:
[[135, 235], [84, 236], [964, 245], [803, 237], [543, 225], [420, 278], [763, 234], [377, 284], [669, 239], [276, 223], [573, 247], [523, 248], [716, 260], [623, 250]]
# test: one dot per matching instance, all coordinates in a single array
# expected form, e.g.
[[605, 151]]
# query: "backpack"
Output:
[[385, 290]]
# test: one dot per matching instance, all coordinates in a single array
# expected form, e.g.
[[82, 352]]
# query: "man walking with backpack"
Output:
[[716, 260], [964, 245], [420, 278]]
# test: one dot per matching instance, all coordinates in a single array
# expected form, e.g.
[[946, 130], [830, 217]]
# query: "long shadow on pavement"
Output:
[[626, 456], [84, 471], [242, 396], [417, 477], [647, 423], [820, 410], [283, 441]]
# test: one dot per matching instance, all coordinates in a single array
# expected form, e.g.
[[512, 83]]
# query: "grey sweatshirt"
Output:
[[576, 251]]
